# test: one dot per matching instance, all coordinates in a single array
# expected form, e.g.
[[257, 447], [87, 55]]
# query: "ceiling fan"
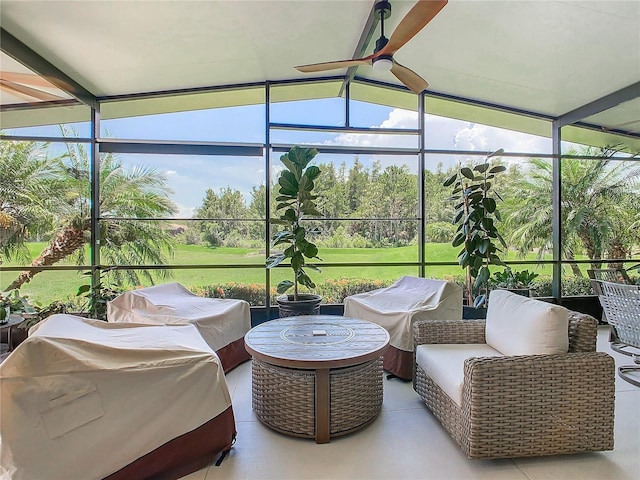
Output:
[[382, 57], [24, 86]]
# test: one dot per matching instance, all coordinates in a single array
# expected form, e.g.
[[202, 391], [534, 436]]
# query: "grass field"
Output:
[[55, 285]]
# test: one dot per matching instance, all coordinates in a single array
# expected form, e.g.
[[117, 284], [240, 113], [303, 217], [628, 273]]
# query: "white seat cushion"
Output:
[[444, 363], [518, 325]]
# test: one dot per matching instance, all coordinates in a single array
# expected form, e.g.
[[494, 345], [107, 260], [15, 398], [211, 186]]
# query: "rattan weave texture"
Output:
[[284, 398], [526, 405]]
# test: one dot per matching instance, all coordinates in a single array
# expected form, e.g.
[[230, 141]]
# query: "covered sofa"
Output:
[[398, 307], [221, 322], [90, 399]]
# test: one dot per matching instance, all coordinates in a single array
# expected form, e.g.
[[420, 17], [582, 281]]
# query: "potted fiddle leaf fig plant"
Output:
[[296, 201], [476, 216]]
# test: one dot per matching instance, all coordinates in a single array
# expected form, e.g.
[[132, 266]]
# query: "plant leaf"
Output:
[[449, 181], [467, 172], [284, 285]]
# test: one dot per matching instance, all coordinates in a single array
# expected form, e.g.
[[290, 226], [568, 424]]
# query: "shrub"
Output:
[[335, 291], [251, 292], [440, 232]]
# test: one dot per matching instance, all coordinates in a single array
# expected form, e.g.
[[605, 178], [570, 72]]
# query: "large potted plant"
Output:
[[295, 201], [476, 215]]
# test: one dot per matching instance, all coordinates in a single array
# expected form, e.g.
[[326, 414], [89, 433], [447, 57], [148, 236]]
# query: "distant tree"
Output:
[[136, 193], [356, 186], [440, 232], [26, 181], [257, 209], [600, 197], [332, 201], [394, 196], [438, 207], [221, 212]]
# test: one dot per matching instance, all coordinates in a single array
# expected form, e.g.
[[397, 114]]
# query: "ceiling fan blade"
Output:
[[26, 79], [411, 79], [321, 67], [28, 93], [414, 21]]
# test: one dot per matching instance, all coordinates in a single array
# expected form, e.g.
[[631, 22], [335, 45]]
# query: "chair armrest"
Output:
[[448, 331], [538, 404], [521, 384]]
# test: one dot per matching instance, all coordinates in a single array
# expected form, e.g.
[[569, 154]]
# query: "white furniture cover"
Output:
[[83, 398], [398, 306], [220, 321]]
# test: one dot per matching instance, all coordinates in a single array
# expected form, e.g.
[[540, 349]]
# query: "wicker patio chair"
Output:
[[524, 405], [621, 304]]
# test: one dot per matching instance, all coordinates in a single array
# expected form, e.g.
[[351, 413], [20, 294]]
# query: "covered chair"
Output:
[[90, 399], [397, 307], [221, 322], [526, 382], [621, 305]]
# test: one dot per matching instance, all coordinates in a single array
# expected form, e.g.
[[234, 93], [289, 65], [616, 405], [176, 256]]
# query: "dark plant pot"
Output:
[[307, 304], [472, 313], [17, 335]]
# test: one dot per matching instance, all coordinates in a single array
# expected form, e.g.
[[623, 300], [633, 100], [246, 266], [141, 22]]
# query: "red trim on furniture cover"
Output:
[[398, 362], [184, 454], [233, 354]]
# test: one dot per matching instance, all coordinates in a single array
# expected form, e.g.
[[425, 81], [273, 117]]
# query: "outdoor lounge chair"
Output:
[[221, 322], [621, 304], [526, 381], [397, 307], [89, 399]]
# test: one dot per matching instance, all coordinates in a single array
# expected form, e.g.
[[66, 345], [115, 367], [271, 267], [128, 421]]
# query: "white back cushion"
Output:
[[518, 325]]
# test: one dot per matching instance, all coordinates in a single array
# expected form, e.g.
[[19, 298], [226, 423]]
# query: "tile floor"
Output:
[[407, 442]]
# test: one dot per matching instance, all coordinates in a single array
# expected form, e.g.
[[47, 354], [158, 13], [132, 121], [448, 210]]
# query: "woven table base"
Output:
[[285, 398]]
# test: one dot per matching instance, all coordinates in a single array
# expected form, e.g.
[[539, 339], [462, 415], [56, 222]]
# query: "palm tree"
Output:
[[136, 193], [26, 180], [596, 197]]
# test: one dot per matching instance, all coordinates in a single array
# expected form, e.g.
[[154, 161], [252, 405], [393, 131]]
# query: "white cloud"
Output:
[[443, 133], [184, 211]]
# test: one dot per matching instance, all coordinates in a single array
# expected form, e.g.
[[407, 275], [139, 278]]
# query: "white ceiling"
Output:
[[544, 56]]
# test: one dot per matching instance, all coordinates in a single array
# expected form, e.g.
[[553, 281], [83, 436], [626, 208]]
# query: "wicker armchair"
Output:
[[525, 405], [621, 304]]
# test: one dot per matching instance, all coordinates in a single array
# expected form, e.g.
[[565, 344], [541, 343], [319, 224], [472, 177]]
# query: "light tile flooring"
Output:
[[407, 442]]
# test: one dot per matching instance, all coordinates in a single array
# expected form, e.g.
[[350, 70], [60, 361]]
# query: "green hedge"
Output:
[[332, 291], [335, 291]]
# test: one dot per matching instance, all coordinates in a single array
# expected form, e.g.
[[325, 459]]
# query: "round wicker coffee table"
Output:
[[316, 376]]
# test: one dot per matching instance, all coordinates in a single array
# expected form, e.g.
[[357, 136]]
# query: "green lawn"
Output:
[[49, 286]]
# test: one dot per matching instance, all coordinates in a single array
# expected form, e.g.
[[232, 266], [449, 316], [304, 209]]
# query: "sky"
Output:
[[190, 176]]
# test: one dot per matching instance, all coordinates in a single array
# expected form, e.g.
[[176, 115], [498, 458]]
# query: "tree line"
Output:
[[378, 207], [48, 197]]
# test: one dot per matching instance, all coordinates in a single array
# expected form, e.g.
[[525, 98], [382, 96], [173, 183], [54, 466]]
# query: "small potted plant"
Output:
[[515, 281], [295, 201], [476, 216], [24, 315]]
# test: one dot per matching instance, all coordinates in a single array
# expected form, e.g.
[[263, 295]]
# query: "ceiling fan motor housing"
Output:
[[383, 10]]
